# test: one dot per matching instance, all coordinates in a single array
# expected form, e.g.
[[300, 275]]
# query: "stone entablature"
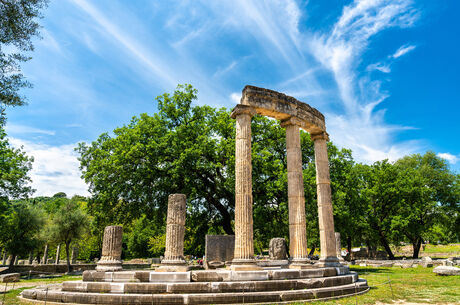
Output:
[[281, 107]]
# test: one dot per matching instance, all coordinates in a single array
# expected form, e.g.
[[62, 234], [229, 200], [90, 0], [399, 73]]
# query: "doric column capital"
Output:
[[242, 109], [291, 121], [320, 136]]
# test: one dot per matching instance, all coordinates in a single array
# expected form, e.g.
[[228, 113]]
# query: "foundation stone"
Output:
[[219, 250]]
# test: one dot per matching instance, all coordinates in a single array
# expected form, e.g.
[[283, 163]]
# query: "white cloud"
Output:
[[384, 68], [360, 126], [403, 50], [12, 128], [235, 97], [449, 157], [55, 168]]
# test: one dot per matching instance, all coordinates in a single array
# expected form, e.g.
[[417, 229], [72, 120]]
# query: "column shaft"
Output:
[[45, 255], [296, 196], [111, 249], [58, 255], [325, 213], [244, 243]]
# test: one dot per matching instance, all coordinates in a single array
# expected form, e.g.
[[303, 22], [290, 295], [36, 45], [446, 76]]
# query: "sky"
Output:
[[383, 72]]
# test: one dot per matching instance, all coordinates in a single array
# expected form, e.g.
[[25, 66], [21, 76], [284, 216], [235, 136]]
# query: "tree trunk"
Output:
[[416, 244], [349, 244], [69, 267], [313, 248], [385, 244]]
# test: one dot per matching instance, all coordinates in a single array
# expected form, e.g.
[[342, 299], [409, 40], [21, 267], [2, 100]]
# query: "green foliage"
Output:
[[18, 24], [20, 226]]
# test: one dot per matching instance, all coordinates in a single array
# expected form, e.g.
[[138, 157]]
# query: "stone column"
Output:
[[45, 255], [243, 258], [5, 255], [16, 259], [325, 213], [175, 230], [296, 197], [9, 259], [31, 258], [111, 249], [58, 254], [74, 255], [338, 245]]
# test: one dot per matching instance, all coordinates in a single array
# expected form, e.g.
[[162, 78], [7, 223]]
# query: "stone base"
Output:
[[172, 268], [244, 265], [328, 262], [301, 266], [112, 265], [273, 263]]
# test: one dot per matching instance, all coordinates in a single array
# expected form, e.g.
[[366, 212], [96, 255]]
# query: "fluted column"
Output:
[[175, 231], [296, 196], [111, 249], [45, 255], [243, 258], [58, 255], [325, 213], [4, 257], [74, 255]]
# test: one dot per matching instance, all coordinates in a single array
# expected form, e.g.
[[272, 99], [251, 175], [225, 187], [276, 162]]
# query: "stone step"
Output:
[[57, 296], [209, 287], [218, 275]]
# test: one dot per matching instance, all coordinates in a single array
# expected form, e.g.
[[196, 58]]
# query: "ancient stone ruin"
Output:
[[246, 280]]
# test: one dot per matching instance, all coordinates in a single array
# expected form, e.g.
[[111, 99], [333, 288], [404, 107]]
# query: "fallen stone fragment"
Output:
[[446, 270], [9, 277]]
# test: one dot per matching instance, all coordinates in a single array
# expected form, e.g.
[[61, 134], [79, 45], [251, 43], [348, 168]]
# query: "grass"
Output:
[[418, 285], [451, 249], [10, 297]]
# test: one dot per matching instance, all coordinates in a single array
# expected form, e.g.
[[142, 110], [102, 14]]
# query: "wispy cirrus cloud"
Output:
[[403, 50], [361, 127]]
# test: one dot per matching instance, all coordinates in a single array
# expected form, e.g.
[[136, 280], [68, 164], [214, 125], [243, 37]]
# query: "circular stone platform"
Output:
[[221, 286]]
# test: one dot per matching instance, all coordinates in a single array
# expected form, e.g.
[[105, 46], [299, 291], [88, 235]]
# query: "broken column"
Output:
[[5, 255], [243, 258], [338, 245], [74, 255], [175, 231], [45, 255], [296, 197], [31, 258], [328, 255], [58, 254], [111, 249]]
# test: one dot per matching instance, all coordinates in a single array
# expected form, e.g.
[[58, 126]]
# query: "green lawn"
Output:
[[453, 249], [419, 285]]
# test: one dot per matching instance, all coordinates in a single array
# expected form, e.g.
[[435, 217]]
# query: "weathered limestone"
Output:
[[219, 250], [243, 258], [325, 215], [296, 196], [45, 255], [58, 254], [277, 249], [9, 277], [74, 255], [16, 259], [31, 258], [8, 260], [447, 270], [111, 249], [175, 229], [338, 245], [5, 255]]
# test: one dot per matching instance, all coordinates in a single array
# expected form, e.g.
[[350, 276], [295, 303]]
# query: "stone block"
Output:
[[93, 276], [9, 277], [277, 249], [189, 288], [170, 277], [219, 248], [256, 275], [206, 276], [447, 270]]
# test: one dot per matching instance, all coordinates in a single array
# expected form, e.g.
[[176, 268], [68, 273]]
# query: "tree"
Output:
[[191, 149], [430, 191], [21, 226], [18, 24], [68, 224]]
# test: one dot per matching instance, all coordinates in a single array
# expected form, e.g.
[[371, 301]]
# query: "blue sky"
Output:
[[384, 73]]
